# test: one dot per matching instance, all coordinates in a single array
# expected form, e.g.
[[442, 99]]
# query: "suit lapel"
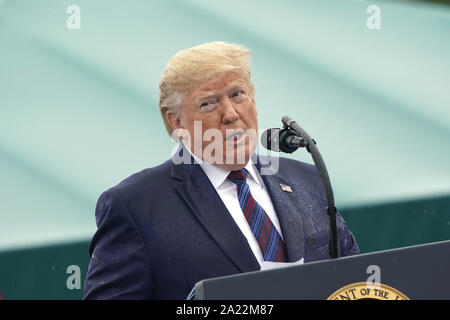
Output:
[[203, 200], [288, 209]]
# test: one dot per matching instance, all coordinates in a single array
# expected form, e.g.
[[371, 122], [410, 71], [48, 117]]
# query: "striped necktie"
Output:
[[269, 240]]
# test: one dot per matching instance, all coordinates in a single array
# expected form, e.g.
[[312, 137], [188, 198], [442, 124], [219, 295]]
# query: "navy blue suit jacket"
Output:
[[165, 228]]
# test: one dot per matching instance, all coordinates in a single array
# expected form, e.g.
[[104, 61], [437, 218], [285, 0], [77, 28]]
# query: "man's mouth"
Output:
[[235, 136]]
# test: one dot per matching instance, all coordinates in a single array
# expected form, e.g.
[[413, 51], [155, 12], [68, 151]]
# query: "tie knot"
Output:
[[238, 176]]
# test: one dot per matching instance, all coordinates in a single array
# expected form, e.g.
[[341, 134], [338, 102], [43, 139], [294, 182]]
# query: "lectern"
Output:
[[416, 272]]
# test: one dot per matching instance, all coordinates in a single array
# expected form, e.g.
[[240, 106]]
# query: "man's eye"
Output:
[[238, 93], [207, 106]]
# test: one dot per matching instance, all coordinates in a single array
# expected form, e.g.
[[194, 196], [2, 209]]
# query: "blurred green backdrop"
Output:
[[78, 113]]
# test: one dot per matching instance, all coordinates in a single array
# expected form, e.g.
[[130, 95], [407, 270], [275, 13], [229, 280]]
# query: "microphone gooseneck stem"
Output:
[[320, 164]]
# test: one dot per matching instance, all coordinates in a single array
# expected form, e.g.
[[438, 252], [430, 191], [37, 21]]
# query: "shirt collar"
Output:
[[218, 175]]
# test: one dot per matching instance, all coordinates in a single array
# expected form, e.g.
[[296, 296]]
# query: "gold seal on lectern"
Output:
[[367, 291]]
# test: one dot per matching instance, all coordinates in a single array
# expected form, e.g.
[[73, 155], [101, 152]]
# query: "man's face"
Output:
[[225, 111]]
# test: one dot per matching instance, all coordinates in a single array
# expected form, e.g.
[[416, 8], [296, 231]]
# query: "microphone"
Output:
[[282, 140], [288, 139]]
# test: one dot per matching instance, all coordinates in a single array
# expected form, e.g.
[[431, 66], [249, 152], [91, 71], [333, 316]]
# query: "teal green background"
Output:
[[78, 113]]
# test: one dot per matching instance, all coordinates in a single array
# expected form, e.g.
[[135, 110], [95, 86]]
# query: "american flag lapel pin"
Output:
[[286, 188]]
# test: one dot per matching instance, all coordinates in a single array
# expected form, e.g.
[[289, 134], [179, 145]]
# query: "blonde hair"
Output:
[[190, 68]]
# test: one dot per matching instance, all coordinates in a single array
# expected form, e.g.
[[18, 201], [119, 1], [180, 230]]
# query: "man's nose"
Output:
[[229, 114]]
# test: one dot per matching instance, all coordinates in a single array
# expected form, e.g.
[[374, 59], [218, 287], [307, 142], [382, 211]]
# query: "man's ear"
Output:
[[174, 119]]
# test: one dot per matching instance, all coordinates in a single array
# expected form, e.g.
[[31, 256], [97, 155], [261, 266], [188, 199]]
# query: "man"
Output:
[[210, 210]]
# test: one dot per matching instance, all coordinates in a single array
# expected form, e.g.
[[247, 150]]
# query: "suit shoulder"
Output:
[[287, 166], [144, 180], [302, 170], [287, 162]]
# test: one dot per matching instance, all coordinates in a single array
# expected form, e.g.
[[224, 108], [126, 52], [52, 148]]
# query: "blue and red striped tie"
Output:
[[269, 240]]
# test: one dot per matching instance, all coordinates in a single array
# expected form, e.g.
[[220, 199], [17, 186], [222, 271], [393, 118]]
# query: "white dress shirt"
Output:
[[227, 191]]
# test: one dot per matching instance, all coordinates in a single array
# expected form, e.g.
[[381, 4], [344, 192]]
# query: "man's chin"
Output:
[[232, 167], [235, 164], [234, 159]]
